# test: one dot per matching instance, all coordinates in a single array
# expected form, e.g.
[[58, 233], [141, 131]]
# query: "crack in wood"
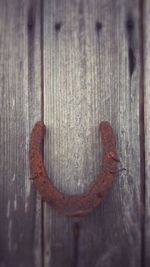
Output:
[[76, 235], [131, 53], [31, 17]]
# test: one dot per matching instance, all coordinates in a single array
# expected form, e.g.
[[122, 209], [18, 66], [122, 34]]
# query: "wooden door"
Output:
[[73, 64]]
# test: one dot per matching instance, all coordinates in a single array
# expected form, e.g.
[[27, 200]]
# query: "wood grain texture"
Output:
[[20, 107], [92, 73], [146, 47], [74, 63]]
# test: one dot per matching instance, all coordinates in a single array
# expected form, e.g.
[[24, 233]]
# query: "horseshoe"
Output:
[[73, 205]]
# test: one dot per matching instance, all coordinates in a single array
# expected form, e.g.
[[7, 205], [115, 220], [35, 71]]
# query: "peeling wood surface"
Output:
[[73, 64]]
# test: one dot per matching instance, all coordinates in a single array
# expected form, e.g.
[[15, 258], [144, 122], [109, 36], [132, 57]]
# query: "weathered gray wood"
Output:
[[92, 73], [146, 47], [20, 107]]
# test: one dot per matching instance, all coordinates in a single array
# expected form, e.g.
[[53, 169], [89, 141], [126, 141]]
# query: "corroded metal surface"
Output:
[[74, 205]]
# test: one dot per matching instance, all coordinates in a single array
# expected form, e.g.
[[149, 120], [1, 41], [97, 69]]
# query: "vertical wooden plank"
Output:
[[20, 107], [146, 47], [58, 101], [92, 73], [113, 234]]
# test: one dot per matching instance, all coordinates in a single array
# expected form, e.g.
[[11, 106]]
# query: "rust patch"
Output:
[[74, 205]]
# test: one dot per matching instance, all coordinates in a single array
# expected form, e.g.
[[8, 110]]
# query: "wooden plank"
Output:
[[20, 107], [113, 232], [146, 68], [92, 73], [58, 238]]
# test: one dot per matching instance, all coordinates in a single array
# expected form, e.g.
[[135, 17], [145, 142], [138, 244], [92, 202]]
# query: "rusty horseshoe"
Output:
[[74, 205]]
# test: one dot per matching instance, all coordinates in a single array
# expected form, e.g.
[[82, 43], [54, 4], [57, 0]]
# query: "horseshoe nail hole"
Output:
[[111, 154], [99, 195], [112, 172], [57, 26]]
